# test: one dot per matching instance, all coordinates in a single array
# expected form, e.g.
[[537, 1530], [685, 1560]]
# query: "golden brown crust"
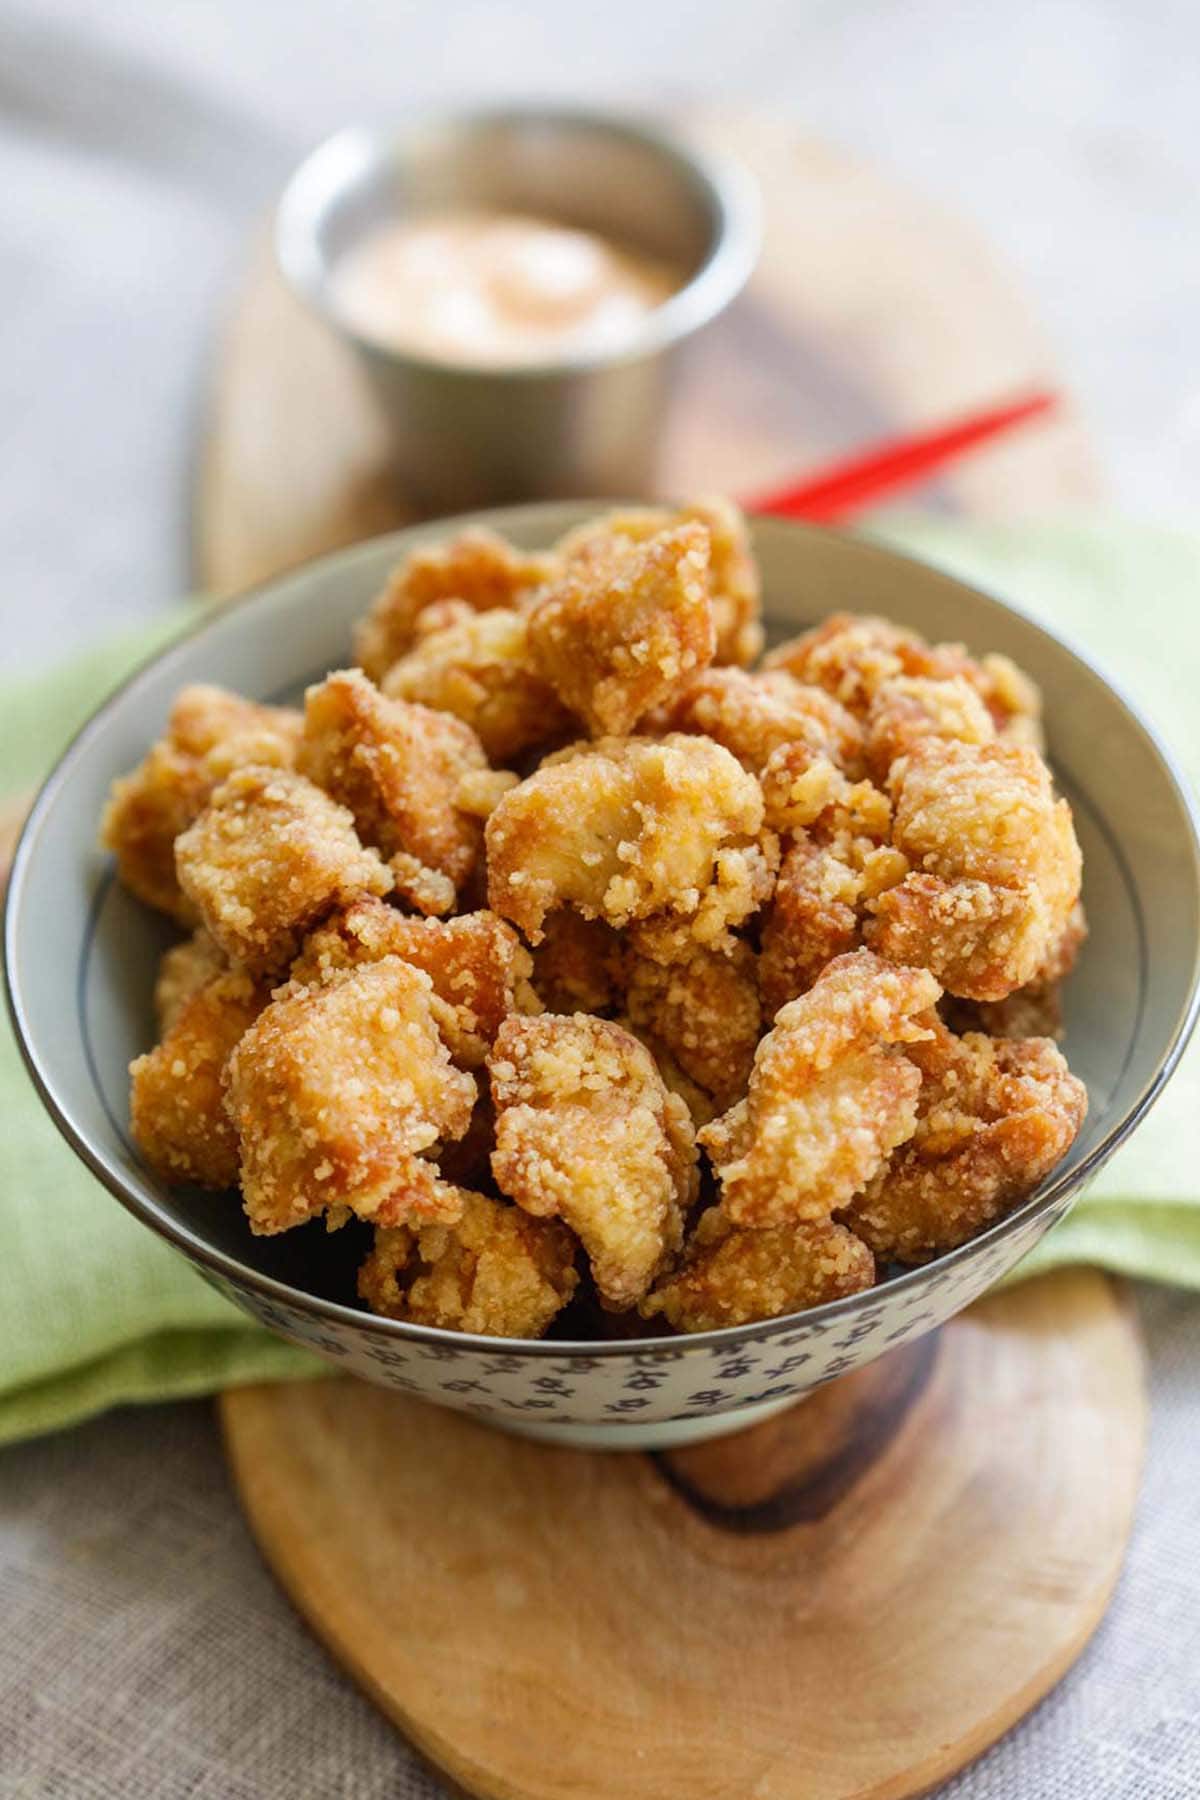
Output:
[[909, 708], [732, 571], [184, 969], [579, 966], [209, 733], [338, 1093], [994, 1118], [480, 669], [837, 860], [268, 857], [478, 966], [704, 1011], [753, 714], [586, 1131], [664, 833], [829, 1098], [397, 767], [1035, 1010], [477, 568], [497, 1271], [997, 861], [852, 655], [622, 629], [731, 1276], [176, 1103]]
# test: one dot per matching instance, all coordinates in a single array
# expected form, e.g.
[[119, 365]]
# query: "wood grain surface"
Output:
[[871, 312], [853, 1599], [860, 1595]]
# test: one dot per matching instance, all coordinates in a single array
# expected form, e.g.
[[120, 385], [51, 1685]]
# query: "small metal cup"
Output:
[[586, 425]]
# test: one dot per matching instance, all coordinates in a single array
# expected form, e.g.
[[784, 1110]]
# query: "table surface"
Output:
[[145, 1651]]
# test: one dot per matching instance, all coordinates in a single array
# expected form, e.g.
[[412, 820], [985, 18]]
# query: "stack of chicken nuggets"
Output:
[[589, 964]]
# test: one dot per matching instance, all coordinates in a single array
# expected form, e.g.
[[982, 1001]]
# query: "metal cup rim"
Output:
[[335, 163]]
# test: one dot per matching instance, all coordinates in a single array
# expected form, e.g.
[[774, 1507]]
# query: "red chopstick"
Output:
[[844, 488]]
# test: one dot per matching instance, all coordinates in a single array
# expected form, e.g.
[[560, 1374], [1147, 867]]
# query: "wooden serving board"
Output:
[[852, 1599], [860, 1595]]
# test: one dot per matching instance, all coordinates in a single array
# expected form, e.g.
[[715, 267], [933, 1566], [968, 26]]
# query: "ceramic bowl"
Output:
[[81, 958]]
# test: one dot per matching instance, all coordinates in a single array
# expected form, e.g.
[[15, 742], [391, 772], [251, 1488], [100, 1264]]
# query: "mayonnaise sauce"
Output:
[[496, 289]]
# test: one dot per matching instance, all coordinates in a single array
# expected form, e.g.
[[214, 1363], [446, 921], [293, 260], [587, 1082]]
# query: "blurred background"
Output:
[[140, 145]]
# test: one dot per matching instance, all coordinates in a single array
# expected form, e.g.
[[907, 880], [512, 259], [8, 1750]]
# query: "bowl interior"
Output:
[[82, 953]]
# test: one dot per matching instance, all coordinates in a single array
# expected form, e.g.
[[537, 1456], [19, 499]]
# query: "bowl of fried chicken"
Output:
[[607, 972]]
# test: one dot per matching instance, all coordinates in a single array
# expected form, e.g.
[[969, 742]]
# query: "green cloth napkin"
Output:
[[95, 1311]]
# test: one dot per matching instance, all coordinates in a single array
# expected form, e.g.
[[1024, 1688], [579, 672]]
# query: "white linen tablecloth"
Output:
[[145, 1653]]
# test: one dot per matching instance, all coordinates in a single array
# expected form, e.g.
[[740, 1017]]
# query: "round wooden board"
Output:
[[871, 312], [859, 1596], [853, 1599]]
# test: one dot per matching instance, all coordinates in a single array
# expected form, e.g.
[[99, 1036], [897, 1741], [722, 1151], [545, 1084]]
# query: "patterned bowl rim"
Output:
[[231, 1269]]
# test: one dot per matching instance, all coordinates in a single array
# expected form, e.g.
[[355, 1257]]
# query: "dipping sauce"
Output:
[[496, 289]]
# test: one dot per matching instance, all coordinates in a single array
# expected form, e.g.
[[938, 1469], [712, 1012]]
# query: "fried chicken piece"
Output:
[[910, 708], [397, 767], [662, 834], [585, 1130], [498, 1271], [480, 669], [699, 1103], [1034, 1010], [478, 568], [619, 633], [210, 732], [852, 655], [176, 1105], [732, 572], [836, 863], [732, 1276], [184, 969], [338, 1091], [704, 1011], [478, 966], [994, 1118], [579, 966], [268, 857], [830, 1095], [998, 861], [753, 714]]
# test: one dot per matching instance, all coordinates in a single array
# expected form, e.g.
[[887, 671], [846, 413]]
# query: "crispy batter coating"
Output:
[[478, 966], [585, 1130], [838, 860], [732, 1276], [397, 767], [480, 669], [478, 568], [912, 707], [994, 1118], [183, 971], [665, 832], [209, 733], [1035, 1010], [338, 1091], [176, 1105], [852, 655], [829, 1098], [998, 866], [732, 571], [579, 966], [620, 631], [268, 857], [704, 1011], [753, 714], [497, 1271], [698, 1102]]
